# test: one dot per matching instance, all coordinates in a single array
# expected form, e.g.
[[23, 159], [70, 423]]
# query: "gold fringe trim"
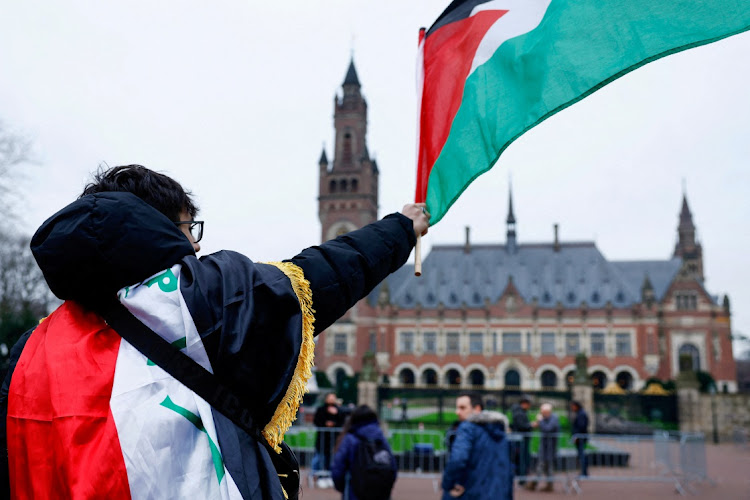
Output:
[[286, 411]]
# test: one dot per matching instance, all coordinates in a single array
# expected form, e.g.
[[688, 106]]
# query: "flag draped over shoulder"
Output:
[[491, 70]]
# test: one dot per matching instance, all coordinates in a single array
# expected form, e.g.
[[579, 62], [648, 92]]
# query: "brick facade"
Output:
[[516, 314]]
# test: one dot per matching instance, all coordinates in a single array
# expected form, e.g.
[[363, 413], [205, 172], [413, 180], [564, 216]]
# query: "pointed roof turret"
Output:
[[510, 235], [323, 158], [351, 75], [686, 217]]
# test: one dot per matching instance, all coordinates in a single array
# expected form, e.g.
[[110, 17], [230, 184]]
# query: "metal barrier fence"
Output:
[[418, 453], [548, 460]]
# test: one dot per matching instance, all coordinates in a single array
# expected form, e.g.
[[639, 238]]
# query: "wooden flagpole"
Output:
[[418, 257]]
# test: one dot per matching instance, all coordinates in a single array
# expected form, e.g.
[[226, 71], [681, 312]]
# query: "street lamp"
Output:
[[712, 391]]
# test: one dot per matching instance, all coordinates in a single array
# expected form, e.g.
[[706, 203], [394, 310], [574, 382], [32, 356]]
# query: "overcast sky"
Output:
[[235, 100]]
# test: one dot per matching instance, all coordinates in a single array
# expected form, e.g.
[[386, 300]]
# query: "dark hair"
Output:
[[576, 404], [161, 192], [474, 398], [361, 415]]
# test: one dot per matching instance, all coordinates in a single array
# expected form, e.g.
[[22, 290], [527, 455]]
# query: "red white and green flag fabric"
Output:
[[490, 70]]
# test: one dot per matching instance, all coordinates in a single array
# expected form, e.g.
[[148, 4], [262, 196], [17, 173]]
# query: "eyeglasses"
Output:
[[196, 228]]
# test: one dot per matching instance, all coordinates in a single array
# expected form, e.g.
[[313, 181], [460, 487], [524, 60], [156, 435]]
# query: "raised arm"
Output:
[[344, 270]]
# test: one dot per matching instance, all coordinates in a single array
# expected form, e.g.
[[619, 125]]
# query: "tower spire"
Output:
[[687, 246], [510, 234]]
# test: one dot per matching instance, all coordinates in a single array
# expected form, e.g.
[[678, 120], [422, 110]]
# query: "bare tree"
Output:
[[15, 151], [24, 295]]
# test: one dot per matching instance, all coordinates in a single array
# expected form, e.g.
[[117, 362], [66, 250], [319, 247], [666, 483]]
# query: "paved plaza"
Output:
[[728, 469]]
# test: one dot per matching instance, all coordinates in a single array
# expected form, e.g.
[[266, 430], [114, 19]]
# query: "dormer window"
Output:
[[686, 301]]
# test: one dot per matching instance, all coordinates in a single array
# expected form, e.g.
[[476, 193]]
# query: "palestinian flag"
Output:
[[489, 70]]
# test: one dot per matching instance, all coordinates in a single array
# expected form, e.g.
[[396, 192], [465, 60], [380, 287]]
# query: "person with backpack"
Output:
[[364, 467]]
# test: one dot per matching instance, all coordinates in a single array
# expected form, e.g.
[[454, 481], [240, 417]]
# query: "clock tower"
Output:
[[348, 190]]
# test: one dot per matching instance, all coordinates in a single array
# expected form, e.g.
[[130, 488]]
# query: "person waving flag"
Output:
[[489, 70]]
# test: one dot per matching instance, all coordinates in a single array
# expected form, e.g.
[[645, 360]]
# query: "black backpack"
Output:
[[372, 471]]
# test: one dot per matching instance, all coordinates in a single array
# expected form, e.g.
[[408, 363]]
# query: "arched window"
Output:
[[344, 186], [406, 376], [429, 377], [452, 377], [355, 185], [512, 378], [346, 151], [332, 185], [625, 380], [598, 380], [476, 378], [690, 350], [549, 379]]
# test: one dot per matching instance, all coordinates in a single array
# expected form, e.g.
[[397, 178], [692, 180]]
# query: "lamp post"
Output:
[[712, 391]]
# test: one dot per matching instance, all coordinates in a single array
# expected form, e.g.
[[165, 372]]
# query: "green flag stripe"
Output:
[[197, 422], [578, 48]]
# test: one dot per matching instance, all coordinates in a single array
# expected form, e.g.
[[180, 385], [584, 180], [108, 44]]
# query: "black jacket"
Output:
[[247, 314]]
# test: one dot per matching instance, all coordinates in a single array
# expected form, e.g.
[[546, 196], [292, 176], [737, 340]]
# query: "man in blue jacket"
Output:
[[479, 463]]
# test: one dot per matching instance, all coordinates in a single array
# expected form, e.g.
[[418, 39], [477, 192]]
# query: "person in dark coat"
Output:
[[479, 466], [362, 425], [549, 426], [107, 423], [581, 427], [328, 420], [521, 424]]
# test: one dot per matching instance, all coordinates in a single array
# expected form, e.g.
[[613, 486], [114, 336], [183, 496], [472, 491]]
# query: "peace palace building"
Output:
[[514, 314]]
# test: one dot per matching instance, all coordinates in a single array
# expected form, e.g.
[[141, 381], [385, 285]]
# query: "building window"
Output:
[[511, 342], [373, 342], [451, 343], [572, 344], [622, 345], [512, 378], [430, 342], [691, 352], [686, 301], [597, 344], [340, 343], [406, 376], [476, 378], [452, 377], [476, 343], [407, 342], [429, 377], [549, 379], [548, 343]]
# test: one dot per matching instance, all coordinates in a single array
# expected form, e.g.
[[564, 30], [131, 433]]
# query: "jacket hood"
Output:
[[368, 430], [493, 422], [103, 242]]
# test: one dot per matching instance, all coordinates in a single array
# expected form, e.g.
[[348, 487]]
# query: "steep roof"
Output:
[[351, 75], [577, 272]]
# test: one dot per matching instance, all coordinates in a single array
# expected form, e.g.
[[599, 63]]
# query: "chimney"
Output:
[[557, 239], [467, 245]]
